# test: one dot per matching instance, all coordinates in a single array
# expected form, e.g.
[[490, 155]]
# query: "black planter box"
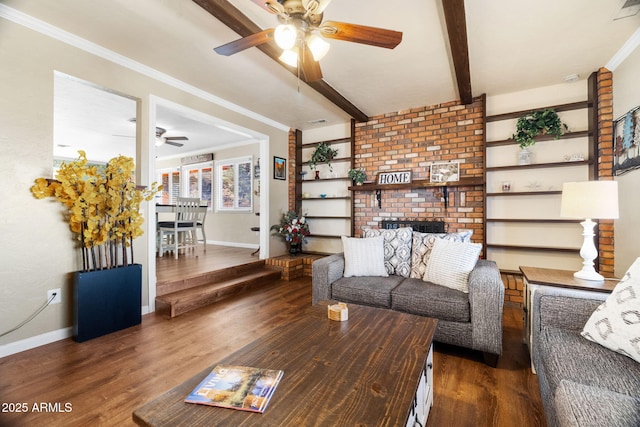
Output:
[[106, 301]]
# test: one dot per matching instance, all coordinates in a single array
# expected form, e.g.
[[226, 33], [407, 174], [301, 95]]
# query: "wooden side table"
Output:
[[537, 278]]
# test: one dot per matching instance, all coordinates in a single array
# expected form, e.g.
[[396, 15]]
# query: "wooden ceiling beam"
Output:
[[229, 15], [455, 18]]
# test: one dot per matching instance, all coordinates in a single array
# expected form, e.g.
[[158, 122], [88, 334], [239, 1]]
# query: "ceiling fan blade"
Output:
[[176, 138], [245, 42], [310, 67], [361, 34], [175, 144]]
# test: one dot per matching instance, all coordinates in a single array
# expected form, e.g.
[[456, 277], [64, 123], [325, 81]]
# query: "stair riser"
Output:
[[199, 300], [210, 277]]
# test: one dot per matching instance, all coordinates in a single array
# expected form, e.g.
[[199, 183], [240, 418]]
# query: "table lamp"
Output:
[[589, 200]]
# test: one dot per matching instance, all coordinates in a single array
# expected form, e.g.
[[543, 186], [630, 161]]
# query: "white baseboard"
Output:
[[233, 244], [43, 339], [33, 342]]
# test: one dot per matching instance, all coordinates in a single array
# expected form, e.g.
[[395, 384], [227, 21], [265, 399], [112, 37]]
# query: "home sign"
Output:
[[397, 177]]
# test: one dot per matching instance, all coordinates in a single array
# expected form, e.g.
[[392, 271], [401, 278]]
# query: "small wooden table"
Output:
[[367, 370], [536, 278]]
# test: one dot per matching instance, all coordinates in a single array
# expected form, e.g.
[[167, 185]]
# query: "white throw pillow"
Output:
[[451, 262], [364, 257], [616, 322], [422, 244]]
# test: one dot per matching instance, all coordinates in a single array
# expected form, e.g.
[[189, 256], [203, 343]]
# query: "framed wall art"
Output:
[[626, 145], [444, 172], [279, 168]]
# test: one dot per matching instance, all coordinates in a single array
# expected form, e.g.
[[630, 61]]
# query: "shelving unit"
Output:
[[378, 188], [329, 217], [524, 224]]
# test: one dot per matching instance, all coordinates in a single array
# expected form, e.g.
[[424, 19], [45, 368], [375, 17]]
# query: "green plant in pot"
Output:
[[322, 154], [536, 123], [357, 175]]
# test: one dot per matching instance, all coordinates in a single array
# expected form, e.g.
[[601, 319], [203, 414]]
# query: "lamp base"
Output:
[[588, 275]]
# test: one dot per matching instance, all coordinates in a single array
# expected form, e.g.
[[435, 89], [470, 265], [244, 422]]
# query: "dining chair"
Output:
[[202, 214], [180, 233]]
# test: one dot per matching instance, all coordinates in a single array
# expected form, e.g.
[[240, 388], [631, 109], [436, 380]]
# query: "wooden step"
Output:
[[190, 281], [179, 302]]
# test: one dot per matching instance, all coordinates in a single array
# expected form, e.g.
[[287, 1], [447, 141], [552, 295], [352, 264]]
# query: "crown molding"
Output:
[[627, 48], [56, 33]]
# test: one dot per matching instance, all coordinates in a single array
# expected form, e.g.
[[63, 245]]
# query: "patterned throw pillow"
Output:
[[451, 262], [616, 323], [363, 257], [423, 243], [397, 249]]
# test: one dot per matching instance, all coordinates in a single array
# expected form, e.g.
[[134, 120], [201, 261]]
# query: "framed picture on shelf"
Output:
[[279, 168], [626, 154], [445, 172]]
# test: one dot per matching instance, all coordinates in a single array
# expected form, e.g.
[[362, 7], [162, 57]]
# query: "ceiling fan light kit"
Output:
[[298, 35]]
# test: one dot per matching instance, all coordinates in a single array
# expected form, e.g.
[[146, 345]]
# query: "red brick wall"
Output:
[[412, 140], [605, 165]]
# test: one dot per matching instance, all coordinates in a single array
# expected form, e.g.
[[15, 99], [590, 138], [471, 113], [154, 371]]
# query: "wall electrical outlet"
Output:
[[58, 297]]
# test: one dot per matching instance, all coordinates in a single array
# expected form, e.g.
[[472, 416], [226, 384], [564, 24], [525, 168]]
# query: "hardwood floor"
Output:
[[101, 382]]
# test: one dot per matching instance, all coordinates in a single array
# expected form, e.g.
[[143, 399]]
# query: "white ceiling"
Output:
[[513, 46]]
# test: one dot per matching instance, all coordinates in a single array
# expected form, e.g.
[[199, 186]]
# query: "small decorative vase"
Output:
[[317, 174], [295, 248], [524, 156]]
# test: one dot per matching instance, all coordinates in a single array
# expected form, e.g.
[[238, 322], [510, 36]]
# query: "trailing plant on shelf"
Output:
[[104, 208], [357, 175], [536, 123], [322, 154]]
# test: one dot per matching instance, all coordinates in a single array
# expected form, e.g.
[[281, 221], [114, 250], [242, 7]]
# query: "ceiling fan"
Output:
[[299, 34], [169, 140]]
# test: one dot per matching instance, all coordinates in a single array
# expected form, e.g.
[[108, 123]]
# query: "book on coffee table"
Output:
[[237, 387]]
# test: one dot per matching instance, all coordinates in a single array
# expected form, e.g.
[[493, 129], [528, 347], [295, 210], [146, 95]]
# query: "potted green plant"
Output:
[[294, 228], [104, 212], [322, 154], [540, 122], [357, 175]]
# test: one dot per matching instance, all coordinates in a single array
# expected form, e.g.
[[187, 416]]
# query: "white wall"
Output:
[[527, 180], [626, 95], [39, 251]]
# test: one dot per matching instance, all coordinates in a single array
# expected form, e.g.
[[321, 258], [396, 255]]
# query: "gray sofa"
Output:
[[472, 320], [581, 383]]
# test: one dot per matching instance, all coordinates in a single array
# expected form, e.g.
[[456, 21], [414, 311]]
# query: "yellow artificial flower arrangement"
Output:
[[104, 208]]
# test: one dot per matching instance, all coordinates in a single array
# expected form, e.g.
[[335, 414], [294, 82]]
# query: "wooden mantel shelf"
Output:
[[465, 182]]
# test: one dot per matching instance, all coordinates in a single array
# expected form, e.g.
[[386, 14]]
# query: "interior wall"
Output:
[[42, 253], [626, 95]]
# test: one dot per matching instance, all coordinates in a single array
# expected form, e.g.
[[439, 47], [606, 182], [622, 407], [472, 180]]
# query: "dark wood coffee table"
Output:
[[368, 370]]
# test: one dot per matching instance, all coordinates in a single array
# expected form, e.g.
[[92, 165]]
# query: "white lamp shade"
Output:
[[317, 46], [289, 57], [590, 199], [285, 36]]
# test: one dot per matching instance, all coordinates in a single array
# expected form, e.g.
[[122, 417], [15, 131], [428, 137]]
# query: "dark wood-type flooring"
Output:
[[100, 382]]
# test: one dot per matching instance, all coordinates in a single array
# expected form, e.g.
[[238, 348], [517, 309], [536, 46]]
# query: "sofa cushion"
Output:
[[578, 405], [567, 355], [616, 323], [397, 249], [451, 262], [427, 299], [363, 257], [422, 244], [372, 291]]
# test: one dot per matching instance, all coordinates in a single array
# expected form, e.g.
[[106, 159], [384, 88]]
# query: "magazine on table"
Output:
[[237, 387]]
